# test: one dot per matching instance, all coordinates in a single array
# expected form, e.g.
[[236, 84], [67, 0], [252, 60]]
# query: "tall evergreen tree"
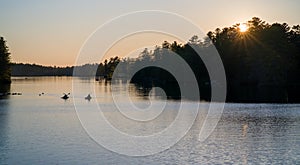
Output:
[[5, 71]]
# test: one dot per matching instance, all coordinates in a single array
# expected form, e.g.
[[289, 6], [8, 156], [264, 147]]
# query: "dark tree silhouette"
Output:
[[262, 64], [5, 71]]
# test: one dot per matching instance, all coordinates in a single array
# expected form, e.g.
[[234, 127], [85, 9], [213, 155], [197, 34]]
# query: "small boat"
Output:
[[88, 97], [66, 96]]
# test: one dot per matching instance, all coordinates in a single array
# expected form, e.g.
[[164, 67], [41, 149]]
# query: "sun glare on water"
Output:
[[243, 27]]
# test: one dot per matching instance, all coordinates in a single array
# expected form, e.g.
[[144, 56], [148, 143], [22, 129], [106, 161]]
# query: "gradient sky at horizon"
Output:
[[51, 32]]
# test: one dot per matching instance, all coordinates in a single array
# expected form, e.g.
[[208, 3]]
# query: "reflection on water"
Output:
[[4, 90], [3, 130], [245, 129], [45, 129]]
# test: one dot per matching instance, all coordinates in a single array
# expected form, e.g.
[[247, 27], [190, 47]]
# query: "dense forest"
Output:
[[262, 64]]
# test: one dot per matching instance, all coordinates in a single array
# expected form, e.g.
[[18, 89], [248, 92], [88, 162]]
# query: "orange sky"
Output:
[[52, 32]]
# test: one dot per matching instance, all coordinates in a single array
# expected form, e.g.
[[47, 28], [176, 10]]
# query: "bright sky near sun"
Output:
[[51, 32]]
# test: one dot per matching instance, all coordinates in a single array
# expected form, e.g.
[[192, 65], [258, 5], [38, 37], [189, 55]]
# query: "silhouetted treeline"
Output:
[[20, 69], [104, 69], [261, 64], [162, 55]]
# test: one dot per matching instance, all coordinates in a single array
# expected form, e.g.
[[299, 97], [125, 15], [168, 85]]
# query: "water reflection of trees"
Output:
[[147, 78], [4, 89]]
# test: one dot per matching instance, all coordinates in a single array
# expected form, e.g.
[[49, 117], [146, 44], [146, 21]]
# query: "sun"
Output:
[[243, 28]]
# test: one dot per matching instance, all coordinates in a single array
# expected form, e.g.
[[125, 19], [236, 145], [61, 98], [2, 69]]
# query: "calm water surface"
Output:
[[45, 130]]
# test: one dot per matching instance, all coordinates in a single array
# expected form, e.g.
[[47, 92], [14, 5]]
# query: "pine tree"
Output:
[[5, 71]]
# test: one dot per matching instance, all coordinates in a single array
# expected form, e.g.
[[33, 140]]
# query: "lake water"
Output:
[[46, 130]]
